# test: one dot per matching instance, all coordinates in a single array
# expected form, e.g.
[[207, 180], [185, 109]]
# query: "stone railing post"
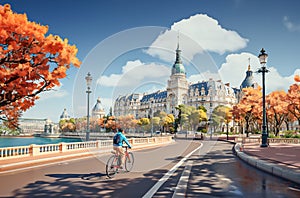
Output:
[[98, 144], [34, 150], [63, 147]]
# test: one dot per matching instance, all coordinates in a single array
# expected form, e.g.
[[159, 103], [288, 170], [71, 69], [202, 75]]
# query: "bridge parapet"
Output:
[[38, 150]]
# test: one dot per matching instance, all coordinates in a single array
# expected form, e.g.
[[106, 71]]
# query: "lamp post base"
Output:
[[87, 137], [264, 140], [263, 145]]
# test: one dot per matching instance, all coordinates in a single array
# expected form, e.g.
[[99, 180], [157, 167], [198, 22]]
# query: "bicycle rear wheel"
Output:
[[129, 160], [111, 166]]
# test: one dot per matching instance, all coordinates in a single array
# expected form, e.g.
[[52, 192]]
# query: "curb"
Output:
[[271, 168]]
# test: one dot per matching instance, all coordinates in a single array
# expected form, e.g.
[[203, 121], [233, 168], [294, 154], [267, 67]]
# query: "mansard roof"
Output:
[[199, 85], [130, 97], [156, 96]]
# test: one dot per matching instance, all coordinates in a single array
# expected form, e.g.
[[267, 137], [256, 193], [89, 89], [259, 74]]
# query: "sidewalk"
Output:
[[282, 160]]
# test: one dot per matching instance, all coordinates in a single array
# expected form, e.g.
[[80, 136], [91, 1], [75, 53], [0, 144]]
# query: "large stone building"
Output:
[[209, 94]]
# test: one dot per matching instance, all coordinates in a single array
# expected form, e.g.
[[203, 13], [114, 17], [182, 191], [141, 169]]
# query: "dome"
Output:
[[249, 80], [98, 110], [64, 115], [178, 67], [98, 106]]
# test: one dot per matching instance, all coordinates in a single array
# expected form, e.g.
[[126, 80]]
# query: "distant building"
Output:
[[64, 115], [50, 128], [33, 126], [98, 110], [30, 126]]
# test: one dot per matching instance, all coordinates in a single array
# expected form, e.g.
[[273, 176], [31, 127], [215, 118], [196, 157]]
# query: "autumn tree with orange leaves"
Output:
[[31, 62], [127, 122], [248, 110], [293, 97], [111, 124], [277, 109]]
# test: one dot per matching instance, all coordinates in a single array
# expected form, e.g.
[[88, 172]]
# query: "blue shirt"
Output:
[[122, 138]]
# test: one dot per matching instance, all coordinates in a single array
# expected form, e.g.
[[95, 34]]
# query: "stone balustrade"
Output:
[[270, 140], [284, 140], [37, 150]]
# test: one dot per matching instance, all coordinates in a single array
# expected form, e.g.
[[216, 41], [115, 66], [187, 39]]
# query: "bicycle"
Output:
[[113, 163]]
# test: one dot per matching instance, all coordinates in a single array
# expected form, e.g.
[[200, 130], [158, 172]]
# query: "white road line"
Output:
[[162, 180], [181, 187]]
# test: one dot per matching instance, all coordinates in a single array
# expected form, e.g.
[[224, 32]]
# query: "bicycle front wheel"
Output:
[[111, 166], [129, 160]]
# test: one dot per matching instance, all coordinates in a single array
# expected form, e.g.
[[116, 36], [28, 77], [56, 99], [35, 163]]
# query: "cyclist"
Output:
[[118, 145]]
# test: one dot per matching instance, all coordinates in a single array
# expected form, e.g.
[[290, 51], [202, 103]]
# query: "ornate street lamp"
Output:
[[263, 60], [88, 79], [151, 109]]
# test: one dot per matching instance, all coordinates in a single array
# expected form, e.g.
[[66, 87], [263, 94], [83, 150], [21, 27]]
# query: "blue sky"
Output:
[[221, 33]]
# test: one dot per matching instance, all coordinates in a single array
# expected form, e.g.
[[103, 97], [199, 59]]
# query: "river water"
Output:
[[24, 141]]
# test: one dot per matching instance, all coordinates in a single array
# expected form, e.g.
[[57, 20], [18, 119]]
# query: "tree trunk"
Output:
[[277, 131], [247, 128], [287, 125]]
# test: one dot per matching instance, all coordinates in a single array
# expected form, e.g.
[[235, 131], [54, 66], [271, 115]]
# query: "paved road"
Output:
[[210, 171], [216, 172]]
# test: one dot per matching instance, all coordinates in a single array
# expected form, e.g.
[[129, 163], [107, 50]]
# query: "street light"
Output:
[[151, 109], [88, 79], [209, 126], [263, 60]]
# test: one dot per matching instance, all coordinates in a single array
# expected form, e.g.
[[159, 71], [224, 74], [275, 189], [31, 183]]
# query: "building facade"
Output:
[[209, 94]]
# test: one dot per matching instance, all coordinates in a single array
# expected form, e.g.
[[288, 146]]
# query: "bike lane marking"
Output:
[[162, 180]]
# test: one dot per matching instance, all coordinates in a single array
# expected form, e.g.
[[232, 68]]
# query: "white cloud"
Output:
[[290, 25], [205, 76], [57, 92], [236, 65], [135, 73], [200, 30]]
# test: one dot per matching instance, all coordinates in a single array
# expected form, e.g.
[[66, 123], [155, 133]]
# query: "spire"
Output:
[[249, 64], [178, 40], [178, 67], [178, 51]]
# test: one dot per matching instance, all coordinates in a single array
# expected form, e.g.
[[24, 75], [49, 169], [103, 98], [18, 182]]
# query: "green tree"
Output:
[[155, 121], [190, 117], [143, 123]]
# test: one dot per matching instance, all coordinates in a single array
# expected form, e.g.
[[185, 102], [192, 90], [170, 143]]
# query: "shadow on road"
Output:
[[90, 185], [91, 176]]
